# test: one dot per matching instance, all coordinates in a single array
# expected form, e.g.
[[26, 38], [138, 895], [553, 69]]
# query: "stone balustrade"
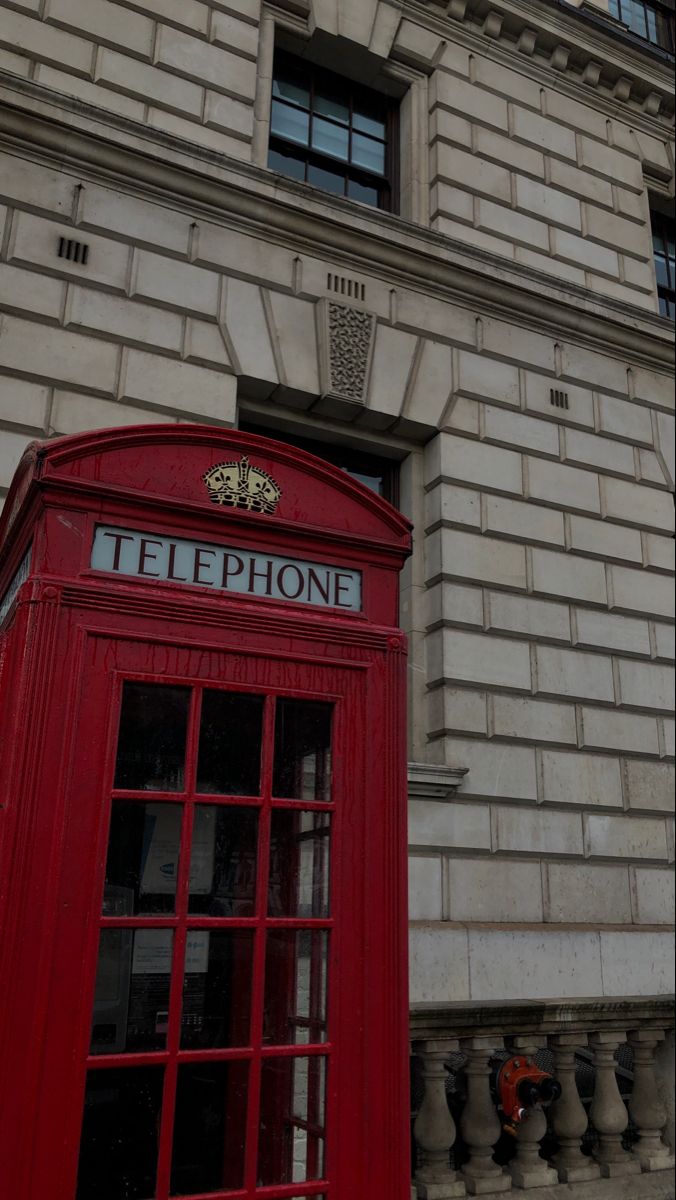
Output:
[[609, 1135]]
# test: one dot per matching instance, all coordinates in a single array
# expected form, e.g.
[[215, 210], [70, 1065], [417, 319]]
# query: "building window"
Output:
[[664, 249], [648, 19], [333, 133], [381, 475]]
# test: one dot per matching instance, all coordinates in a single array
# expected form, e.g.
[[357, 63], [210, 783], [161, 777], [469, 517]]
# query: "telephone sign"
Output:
[[202, 825], [179, 560]]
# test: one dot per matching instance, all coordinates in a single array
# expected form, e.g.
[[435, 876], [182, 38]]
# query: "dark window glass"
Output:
[[300, 861], [223, 861], [142, 863], [118, 1149], [296, 968], [292, 1121], [332, 133], [664, 249], [648, 19], [217, 989], [302, 768], [230, 744], [151, 742], [287, 162], [210, 1128], [131, 1002], [378, 474]]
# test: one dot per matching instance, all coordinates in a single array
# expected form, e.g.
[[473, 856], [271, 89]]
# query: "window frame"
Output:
[[664, 14], [387, 184], [664, 229]]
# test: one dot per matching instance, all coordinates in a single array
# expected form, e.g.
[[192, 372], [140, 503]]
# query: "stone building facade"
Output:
[[500, 339]]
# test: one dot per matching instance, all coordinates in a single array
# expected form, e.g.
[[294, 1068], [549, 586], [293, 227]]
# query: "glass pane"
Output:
[[142, 863], [230, 744], [217, 989], [302, 768], [292, 1121], [210, 1127], [300, 865], [223, 861], [330, 139], [287, 163], [661, 271], [368, 154], [290, 123], [615, 8], [296, 969], [634, 16], [367, 195], [131, 1001], [371, 125], [295, 93], [151, 742], [333, 107], [329, 181], [118, 1149], [652, 26]]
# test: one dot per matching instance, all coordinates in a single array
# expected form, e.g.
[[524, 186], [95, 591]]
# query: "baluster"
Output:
[[646, 1107], [479, 1123], [435, 1131], [528, 1169], [569, 1119], [608, 1111]]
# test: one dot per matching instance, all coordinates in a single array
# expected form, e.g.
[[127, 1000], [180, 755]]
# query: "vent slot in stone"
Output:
[[76, 252], [559, 399], [342, 286]]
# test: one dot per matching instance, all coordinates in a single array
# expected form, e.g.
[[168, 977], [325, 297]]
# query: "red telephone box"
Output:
[[203, 853]]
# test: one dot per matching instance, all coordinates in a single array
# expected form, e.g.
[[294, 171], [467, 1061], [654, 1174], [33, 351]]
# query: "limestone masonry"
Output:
[[497, 338]]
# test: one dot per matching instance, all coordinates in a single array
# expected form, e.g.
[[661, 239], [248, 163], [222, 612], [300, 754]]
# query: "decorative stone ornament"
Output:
[[239, 485], [346, 340]]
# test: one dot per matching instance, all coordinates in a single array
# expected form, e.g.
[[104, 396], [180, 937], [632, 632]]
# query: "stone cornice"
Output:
[[104, 147], [585, 48], [584, 51], [429, 782]]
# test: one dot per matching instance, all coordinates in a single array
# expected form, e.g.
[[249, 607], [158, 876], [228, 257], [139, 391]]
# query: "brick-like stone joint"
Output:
[[347, 337], [645, 1106], [435, 1130]]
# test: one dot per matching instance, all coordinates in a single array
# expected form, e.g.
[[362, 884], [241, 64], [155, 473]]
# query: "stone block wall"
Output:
[[526, 171], [511, 360], [549, 550], [180, 66]]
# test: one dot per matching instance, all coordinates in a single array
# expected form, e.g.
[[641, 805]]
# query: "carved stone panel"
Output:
[[346, 339]]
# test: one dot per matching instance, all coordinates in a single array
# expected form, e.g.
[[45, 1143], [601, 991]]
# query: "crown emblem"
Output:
[[239, 485]]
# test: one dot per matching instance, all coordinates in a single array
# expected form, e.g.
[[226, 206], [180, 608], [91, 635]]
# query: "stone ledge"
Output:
[[430, 782], [434, 1021]]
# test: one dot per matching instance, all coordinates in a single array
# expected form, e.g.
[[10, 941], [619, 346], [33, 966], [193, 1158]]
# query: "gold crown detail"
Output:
[[240, 485]]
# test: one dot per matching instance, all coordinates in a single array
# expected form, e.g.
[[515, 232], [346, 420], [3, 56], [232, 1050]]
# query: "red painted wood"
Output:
[[70, 639]]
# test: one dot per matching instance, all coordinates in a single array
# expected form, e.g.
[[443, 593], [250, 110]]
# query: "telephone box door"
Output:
[[216, 1059]]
